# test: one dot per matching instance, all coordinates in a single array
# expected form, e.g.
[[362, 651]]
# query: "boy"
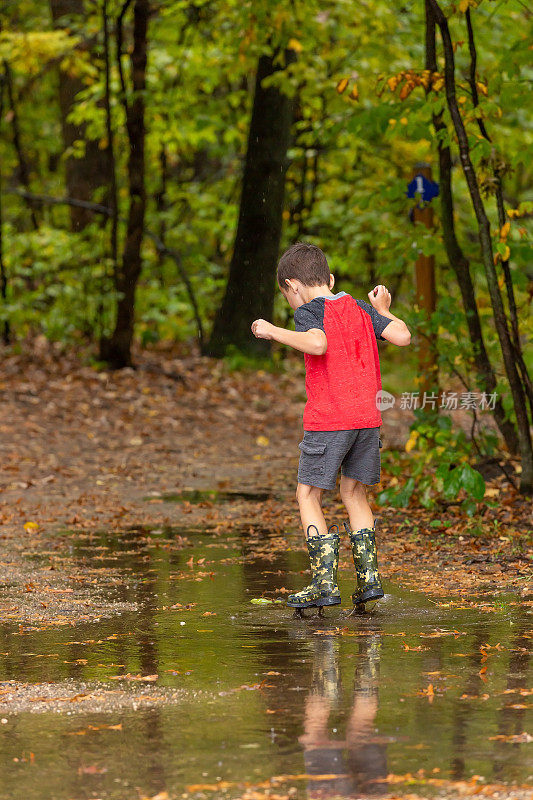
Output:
[[338, 336]]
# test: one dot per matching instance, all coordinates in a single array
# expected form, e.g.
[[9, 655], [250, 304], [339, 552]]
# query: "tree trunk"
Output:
[[3, 276], [500, 320], [251, 283], [83, 175], [498, 170], [117, 350], [23, 172], [459, 262], [111, 170]]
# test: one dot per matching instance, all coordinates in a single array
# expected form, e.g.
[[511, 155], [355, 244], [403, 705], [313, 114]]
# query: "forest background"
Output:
[[156, 157]]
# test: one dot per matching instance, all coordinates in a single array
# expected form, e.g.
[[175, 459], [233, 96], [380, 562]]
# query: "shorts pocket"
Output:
[[380, 442], [312, 459]]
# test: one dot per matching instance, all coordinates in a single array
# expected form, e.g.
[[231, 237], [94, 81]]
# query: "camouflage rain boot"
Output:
[[324, 557], [365, 559]]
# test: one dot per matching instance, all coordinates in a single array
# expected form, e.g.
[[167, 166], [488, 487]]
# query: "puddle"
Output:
[[439, 692], [197, 496]]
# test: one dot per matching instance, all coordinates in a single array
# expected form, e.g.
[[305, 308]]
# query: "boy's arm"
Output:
[[396, 331], [313, 341]]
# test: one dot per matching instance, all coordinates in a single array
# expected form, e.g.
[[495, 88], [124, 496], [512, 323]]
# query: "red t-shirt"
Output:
[[341, 385]]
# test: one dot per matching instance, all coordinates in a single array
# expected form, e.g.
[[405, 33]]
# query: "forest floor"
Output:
[[84, 450]]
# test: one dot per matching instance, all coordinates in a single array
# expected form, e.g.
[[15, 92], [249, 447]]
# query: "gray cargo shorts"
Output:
[[356, 452]]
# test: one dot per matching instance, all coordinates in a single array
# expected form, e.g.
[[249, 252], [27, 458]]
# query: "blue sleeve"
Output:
[[379, 322], [308, 316]]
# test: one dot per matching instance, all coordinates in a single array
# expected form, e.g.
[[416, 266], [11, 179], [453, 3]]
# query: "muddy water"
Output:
[[214, 496], [414, 688]]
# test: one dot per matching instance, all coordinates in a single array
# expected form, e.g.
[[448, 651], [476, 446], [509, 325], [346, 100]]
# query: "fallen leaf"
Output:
[[516, 738], [31, 527]]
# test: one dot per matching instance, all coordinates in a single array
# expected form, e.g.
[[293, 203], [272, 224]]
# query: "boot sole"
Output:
[[328, 601], [371, 594], [321, 601]]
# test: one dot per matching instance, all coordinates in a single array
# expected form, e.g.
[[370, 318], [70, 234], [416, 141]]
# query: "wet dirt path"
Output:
[[142, 512]]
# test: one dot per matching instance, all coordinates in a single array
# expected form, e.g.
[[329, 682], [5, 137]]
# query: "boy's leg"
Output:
[[353, 495], [310, 503], [363, 543], [323, 549]]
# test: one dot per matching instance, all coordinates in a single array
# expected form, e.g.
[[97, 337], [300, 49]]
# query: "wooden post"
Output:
[[426, 296]]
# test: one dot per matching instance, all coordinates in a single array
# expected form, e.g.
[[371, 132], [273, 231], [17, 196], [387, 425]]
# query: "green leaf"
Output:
[[264, 601], [473, 482], [452, 483]]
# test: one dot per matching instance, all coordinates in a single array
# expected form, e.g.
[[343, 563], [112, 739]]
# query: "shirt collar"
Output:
[[335, 296]]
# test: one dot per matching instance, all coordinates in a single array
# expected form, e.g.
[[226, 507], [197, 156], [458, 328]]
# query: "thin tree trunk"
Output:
[[457, 259], [111, 162], [251, 283], [500, 320], [23, 169], [110, 149], [161, 206], [117, 350], [502, 219], [3, 275], [83, 175]]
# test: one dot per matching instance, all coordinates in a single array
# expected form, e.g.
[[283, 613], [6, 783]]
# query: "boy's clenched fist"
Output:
[[262, 329], [380, 298]]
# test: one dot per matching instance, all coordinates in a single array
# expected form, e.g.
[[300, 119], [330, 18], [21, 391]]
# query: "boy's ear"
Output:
[[290, 284], [331, 281]]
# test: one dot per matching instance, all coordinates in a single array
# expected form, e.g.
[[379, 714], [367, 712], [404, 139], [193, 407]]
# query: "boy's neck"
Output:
[[310, 292]]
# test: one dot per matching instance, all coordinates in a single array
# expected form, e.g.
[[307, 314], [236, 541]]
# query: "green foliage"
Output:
[[28, 51], [237, 361], [59, 283], [438, 465]]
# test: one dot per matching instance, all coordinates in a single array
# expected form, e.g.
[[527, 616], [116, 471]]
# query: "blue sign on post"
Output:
[[425, 188]]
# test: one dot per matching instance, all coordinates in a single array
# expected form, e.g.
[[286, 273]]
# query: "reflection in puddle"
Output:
[[359, 759], [438, 693], [213, 496]]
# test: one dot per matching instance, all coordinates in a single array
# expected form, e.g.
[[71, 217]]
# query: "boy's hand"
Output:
[[262, 329], [380, 298], [313, 341]]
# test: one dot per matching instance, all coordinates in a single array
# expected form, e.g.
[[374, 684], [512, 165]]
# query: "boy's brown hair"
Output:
[[305, 263]]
